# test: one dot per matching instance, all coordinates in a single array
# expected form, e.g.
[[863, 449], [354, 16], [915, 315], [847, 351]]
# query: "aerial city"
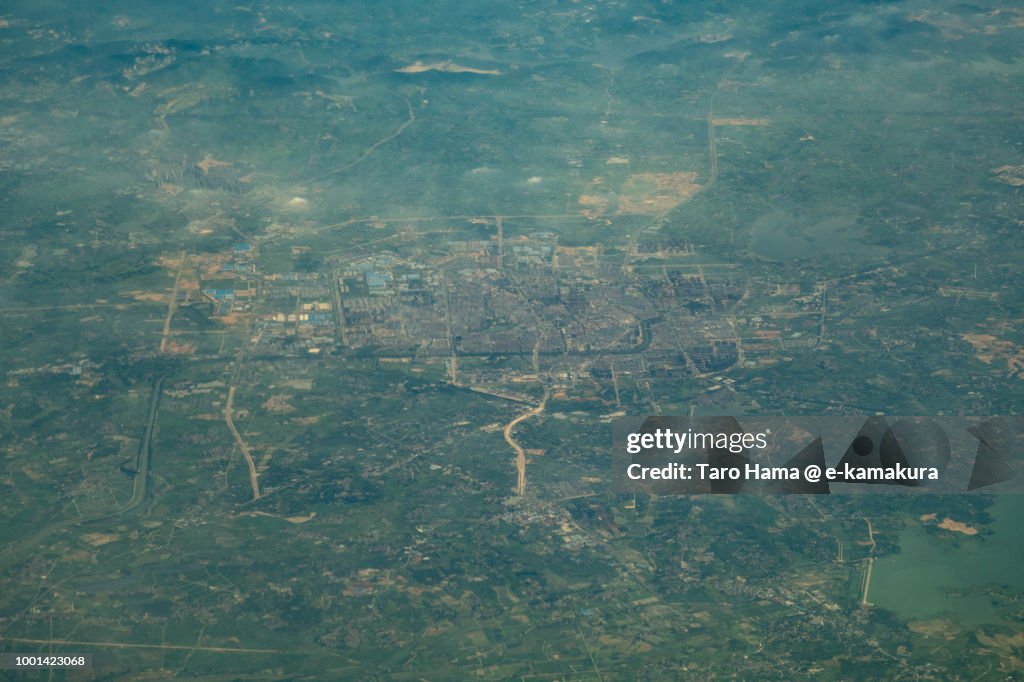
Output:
[[316, 317]]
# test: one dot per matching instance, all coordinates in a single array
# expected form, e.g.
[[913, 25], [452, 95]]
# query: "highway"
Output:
[[140, 488]]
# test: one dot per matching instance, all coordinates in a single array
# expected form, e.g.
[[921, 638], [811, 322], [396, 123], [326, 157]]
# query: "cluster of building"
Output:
[[235, 286], [526, 296]]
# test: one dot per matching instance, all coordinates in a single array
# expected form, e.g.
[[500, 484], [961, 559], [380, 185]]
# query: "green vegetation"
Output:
[[285, 287]]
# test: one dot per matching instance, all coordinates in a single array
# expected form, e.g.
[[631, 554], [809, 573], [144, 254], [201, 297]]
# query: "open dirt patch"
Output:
[[1010, 175], [148, 296], [741, 121], [446, 67], [990, 349], [593, 205], [654, 193], [100, 539], [209, 162], [957, 526], [939, 627]]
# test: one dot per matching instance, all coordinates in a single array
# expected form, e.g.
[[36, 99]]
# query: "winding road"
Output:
[[520, 452], [229, 418]]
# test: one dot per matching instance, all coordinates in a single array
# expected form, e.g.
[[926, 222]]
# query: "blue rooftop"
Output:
[[220, 294], [376, 280]]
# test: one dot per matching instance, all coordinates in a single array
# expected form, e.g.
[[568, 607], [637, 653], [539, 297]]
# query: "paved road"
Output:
[[140, 488]]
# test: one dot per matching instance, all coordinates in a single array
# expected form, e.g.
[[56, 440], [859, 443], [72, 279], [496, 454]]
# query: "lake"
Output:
[[930, 575], [780, 236]]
